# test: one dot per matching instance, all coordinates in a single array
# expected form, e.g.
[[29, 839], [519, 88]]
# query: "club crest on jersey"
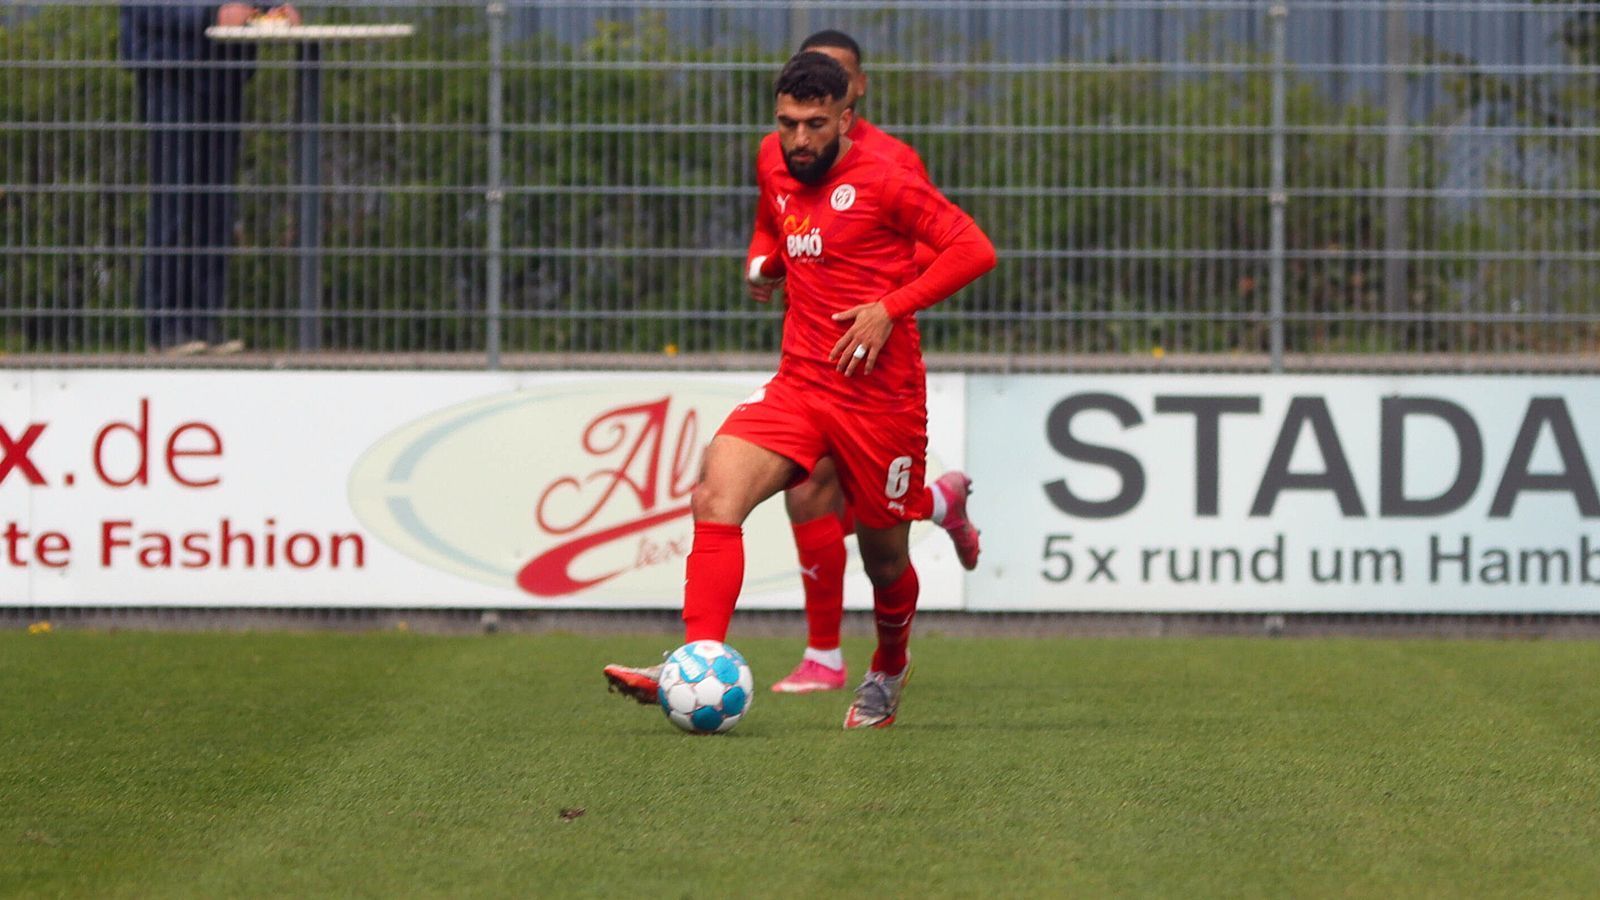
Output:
[[801, 240], [844, 197]]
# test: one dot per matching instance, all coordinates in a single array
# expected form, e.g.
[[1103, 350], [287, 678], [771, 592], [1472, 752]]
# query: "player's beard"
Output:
[[813, 172]]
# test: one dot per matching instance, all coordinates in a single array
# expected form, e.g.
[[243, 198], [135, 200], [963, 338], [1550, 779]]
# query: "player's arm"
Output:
[[763, 263], [963, 253], [951, 248], [962, 256]]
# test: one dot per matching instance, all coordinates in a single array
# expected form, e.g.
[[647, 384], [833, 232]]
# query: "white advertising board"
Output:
[[387, 490], [1253, 493]]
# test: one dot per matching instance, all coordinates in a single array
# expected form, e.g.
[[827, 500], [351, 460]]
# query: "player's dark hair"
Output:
[[831, 37], [812, 76]]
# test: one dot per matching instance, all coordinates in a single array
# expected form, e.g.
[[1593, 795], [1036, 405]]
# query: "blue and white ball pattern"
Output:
[[705, 687]]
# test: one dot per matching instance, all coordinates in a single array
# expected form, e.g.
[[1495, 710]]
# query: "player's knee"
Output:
[[885, 571], [710, 503]]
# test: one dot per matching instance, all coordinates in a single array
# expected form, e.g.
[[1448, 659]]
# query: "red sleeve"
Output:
[[764, 239], [764, 243], [963, 251]]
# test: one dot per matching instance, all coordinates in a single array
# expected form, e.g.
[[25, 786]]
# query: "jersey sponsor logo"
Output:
[[807, 245], [844, 197], [801, 240]]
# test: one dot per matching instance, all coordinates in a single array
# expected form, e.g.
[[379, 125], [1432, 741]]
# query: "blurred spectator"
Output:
[[191, 91]]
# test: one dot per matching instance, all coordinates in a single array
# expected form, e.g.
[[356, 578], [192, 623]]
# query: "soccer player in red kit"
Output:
[[817, 510], [851, 382]]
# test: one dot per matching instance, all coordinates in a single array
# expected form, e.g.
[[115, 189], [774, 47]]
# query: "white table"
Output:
[[308, 41]]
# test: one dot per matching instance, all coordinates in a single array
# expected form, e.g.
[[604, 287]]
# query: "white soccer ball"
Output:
[[705, 687]]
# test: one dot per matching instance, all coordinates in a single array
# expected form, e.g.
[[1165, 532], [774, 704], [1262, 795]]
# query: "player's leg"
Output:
[[737, 477], [882, 460], [765, 444], [815, 506], [885, 552]]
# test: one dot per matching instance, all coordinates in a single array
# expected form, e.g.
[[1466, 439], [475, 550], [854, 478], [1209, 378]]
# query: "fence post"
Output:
[[308, 173], [1278, 192], [1395, 177], [494, 194]]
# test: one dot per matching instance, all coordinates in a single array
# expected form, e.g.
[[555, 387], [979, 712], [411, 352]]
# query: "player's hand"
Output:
[[763, 293], [233, 14], [764, 277], [860, 345]]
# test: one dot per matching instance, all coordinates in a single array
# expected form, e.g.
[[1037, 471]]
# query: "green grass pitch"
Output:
[[212, 765]]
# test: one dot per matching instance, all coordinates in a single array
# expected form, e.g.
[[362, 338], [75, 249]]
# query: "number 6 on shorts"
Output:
[[899, 480]]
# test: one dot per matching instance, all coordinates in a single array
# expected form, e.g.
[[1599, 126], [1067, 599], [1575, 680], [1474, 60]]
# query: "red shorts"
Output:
[[881, 456]]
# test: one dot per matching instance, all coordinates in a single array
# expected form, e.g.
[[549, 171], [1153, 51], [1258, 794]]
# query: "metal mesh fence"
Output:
[[1228, 185]]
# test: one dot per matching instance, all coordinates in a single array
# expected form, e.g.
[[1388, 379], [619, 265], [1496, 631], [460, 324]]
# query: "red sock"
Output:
[[822, 559], [712, 579], [893, 608], [919, 504]]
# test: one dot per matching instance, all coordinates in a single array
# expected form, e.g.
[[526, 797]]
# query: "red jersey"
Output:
[[864, 134], [848, 241]]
